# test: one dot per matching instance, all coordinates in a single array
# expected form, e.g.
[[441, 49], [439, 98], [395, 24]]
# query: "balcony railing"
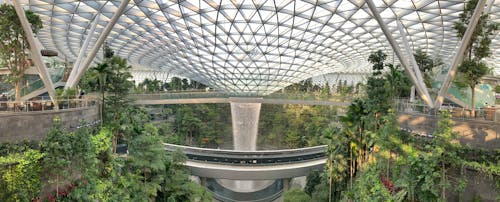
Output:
[[44, 105], [488, 114]]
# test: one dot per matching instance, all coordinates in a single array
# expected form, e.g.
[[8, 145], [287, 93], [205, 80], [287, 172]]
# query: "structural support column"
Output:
[[412, 94], [399, 54], [286, 184], [98, 44], [459, 54], [35, 54], [413, 62], [83, 49], [203, 182]]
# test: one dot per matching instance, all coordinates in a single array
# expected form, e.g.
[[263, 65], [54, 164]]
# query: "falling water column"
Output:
[[245, 118]]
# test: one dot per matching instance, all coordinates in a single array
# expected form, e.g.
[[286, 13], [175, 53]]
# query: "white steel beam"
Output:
[[36, 54], [459, 54], [412, 60], [398, 52], [83, 49], [97, 46]]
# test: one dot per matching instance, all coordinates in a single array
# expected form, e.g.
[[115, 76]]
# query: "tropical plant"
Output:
[[20, 176]]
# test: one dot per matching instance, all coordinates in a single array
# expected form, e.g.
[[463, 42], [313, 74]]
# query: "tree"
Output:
[[473, 68], [57, 147], [377, 59], [113, 77], [398, 81], [147, 158], [176, 185], [426, 64], [445, 146], [102, 70], [14, 44]]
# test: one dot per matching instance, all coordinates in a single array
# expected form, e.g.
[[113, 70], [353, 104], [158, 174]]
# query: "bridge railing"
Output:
[[44, 105], [405, 106], [217, 94], [179, 95], [250, 157]]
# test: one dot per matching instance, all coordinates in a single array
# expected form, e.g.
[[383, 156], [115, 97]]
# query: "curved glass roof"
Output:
[[253, 46]]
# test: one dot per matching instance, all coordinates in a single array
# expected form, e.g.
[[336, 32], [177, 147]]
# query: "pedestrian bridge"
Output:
[[252, 165], [220, 97]]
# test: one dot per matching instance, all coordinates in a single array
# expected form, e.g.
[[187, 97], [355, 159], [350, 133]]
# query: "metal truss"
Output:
[[251, 46], [82, 52]]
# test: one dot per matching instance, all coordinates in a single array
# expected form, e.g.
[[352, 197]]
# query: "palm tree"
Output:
[[102, 70]]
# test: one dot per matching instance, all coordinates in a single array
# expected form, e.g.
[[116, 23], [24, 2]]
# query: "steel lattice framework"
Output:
[[253, 46]]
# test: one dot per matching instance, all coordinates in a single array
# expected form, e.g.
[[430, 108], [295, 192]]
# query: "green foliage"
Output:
[[313, 179], [426, 65], [296, 195], [420, 174], [175, 84], [57, 147], [481, 37], [151, 86], [177, 187], [147, 157], [17, 147], [294, 126], [322, 191], [472, 68], [20, 176], [378, 96], [66, 93], [14, 44], [377, 59], [472, 71], [101, 141], [425, 62], [203, 125], [398, 81], [369, 188]]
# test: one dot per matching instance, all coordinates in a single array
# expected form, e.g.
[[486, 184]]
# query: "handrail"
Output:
[[482, 114], [270, 157], [218, 94], [314, 149]]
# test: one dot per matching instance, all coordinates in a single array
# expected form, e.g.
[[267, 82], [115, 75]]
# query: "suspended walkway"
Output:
[[252, 165], [219, 97]]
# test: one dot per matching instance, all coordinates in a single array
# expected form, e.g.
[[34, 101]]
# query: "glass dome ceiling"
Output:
[[253, 46]]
